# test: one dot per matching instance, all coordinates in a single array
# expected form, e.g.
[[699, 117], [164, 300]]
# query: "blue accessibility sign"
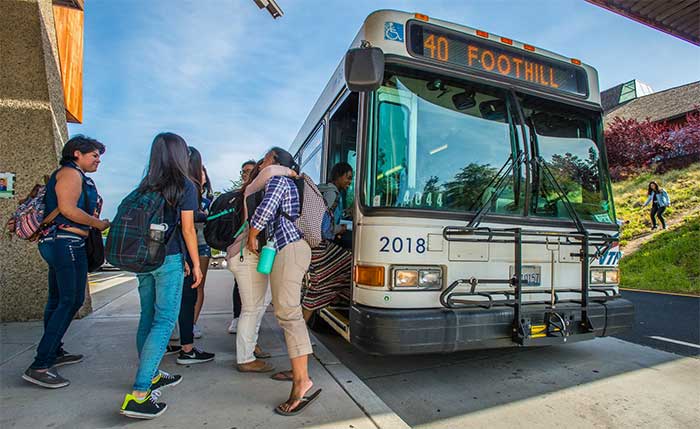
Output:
[[393, 31]]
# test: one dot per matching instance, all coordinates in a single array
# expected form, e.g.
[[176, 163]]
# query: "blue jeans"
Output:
[[65, 254], [160, 292]]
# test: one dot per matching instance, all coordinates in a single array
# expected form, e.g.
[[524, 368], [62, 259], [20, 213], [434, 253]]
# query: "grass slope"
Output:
[[683, 186], [669, 262]]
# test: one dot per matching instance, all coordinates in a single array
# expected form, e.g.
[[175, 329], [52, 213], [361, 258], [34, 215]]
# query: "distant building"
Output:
[[636, 100]]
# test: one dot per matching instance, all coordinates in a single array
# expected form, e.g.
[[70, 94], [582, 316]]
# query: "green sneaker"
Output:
[[164, 379], [146, 408]]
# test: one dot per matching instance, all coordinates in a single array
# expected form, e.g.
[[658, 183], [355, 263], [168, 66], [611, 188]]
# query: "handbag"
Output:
[[95, 250], [94, 245]]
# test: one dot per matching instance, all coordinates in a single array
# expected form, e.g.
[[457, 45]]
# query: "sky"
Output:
[[234, 82]]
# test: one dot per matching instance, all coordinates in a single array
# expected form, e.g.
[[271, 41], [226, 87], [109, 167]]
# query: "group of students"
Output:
[[173, 291]]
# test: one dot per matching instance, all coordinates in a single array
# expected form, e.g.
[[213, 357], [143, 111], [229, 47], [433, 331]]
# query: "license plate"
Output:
[[531, 275]]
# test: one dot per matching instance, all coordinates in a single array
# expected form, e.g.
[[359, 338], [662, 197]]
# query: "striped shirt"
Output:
[[281, 195]]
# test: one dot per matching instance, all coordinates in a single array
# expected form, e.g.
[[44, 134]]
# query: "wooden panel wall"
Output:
[[69, 36]]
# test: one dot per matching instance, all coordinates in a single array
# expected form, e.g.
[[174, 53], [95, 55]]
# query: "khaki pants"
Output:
[[287, 274]]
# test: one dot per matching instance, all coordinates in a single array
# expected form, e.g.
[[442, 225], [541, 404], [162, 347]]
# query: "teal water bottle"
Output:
[[267, 258]]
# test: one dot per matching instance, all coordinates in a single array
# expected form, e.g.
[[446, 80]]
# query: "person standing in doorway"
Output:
[[62, 246]]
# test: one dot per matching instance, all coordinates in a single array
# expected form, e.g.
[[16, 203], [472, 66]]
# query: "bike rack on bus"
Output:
[[555, 328]]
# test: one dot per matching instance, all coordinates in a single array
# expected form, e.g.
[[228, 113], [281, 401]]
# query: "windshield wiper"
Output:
[[562, 195], [500, 179]]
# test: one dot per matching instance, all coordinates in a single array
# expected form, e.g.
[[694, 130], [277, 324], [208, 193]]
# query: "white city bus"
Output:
[[481, 210]]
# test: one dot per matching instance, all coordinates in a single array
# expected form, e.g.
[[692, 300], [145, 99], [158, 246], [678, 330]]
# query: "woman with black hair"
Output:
[[160, 291], [62, 245], [188, 353], [659, 199], [275, 215]]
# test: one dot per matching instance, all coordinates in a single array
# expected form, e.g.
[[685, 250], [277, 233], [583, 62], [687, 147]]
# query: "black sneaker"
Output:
[[49, 379], [65, 358], [194, 356], [172, 349], [164, 379], [146, 408]]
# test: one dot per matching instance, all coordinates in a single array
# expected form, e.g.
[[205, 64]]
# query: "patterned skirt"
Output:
[[329, 278]]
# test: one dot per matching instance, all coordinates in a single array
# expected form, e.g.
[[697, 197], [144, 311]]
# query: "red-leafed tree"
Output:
[[634, 145]]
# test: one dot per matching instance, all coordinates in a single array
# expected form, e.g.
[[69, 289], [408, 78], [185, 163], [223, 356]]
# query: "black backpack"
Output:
[[225, 218]]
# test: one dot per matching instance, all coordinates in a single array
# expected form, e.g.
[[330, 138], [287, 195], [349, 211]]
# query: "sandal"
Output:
[[282, 376], [265, 368], [304, 402], [261, 354]]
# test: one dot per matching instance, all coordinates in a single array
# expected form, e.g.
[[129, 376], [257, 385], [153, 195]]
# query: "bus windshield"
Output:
[[565, 137], [440, 145]]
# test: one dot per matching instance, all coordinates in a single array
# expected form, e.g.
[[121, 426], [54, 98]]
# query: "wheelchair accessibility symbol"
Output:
[[393, 31]]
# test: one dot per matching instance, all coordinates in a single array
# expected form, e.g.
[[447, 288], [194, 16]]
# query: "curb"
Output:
[[378, 412], [660, 292]]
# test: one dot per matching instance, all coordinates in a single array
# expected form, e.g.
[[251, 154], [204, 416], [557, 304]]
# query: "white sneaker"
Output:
[[233, 327], [196, 332]]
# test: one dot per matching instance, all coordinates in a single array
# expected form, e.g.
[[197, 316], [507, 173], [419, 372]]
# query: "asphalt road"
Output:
[[459, 389], [671, 319]]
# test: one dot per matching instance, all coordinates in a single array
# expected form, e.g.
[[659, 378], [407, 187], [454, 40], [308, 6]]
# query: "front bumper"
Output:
[[441, 330]]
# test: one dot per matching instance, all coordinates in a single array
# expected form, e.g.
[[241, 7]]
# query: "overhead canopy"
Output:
[[680, 18]]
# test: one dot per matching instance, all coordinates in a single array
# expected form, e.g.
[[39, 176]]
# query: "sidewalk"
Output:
[[213, 395]]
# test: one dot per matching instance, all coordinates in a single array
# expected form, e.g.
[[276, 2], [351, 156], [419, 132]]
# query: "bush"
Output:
[[633, 145]]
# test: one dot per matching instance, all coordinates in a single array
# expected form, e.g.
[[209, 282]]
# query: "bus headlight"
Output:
[[600, 276], [418, 278], [612, 276]]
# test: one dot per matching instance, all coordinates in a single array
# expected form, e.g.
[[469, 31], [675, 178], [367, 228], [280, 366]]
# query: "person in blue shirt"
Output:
[[62, 246], [659, 199]]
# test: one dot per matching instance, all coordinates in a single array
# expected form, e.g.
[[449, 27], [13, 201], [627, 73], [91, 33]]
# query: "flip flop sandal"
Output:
[[282, 376], [304, 402], [265, 368]]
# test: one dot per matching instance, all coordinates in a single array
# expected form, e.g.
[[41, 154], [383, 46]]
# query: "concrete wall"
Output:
[[32, 132]]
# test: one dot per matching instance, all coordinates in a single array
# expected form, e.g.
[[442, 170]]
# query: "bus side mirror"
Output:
[[364, 69]]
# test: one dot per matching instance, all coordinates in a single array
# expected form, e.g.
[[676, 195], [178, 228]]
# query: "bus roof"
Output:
[[374, 30]]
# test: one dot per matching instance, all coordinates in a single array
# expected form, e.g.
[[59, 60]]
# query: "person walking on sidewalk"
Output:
[[659, 199], [246, 170], [160, 291], [62, 246], [281, 205], [188, 353]]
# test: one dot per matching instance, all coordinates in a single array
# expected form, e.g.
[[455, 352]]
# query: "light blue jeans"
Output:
[[160, 292]]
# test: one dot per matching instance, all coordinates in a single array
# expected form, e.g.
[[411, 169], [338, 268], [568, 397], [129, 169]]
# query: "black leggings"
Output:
[[657, 211], [186, 318]]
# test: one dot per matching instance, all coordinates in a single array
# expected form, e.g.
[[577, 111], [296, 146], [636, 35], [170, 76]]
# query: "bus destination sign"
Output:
[[462, 50]]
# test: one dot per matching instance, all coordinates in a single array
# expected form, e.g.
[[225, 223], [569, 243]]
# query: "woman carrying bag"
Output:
[[275, 215], [62, 245]]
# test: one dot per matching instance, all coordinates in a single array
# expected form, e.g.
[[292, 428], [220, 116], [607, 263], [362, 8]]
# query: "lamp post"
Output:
[[271, 6]]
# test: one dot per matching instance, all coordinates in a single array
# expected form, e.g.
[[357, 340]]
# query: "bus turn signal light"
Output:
[[482, 34], [506, 40], [529, 48], [422, 17], [369, 276], [575, 61]]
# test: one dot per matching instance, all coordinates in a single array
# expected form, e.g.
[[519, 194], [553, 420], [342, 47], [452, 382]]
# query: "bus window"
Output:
[[565, 138], [312, 156], [440, 146]]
